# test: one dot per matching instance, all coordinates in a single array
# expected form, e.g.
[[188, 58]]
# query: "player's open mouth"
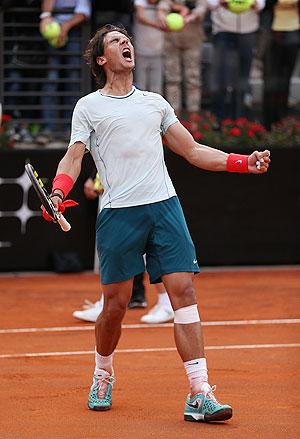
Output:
[[126, 54]]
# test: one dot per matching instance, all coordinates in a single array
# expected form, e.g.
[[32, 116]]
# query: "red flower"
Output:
[[241, 121], [235, 131], [251, 133], [226, 122], [206, 126], [297, 126], [6, 118], [257, 128], [197, 135]]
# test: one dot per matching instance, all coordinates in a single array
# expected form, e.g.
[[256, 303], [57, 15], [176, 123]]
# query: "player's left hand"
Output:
[[258, 162]]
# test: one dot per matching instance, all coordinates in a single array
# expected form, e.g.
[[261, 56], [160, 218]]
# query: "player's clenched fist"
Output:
[[258, 162]]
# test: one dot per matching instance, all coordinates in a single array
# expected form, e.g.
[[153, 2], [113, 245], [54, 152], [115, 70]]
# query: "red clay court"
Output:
[[251, 329]]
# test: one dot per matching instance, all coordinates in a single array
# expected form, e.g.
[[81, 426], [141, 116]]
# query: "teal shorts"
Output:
[[158, 230]]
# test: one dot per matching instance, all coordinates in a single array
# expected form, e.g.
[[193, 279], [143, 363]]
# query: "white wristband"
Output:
[[45, 15]]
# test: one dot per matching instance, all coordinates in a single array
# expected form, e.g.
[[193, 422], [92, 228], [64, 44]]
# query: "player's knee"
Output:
[[186, 296], [115, 307]]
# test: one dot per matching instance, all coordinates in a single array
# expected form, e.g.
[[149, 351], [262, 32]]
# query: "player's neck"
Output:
[[118, 84]]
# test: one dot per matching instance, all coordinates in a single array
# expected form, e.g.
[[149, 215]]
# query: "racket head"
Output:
[[41, 191]]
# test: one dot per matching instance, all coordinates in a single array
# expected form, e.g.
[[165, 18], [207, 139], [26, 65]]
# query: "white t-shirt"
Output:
[[123, 134], [148, 41]]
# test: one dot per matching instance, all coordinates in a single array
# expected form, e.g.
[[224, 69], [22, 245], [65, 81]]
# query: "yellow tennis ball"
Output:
[[239, 6], [175, 22], [54, 42], [51, 31], [97, 183]]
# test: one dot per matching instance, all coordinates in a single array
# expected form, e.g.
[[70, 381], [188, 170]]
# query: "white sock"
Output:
[[196, 371], [103, 363], [163, 300]]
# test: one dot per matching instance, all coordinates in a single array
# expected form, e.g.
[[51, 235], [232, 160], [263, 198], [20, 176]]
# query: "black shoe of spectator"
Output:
[[137, 302], [138, 299]]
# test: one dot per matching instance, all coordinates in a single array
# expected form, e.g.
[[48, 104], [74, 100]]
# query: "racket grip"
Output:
[[65, 226]]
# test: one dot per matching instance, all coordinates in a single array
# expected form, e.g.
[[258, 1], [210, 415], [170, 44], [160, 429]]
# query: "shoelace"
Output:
[[102, 384], [210, 394]]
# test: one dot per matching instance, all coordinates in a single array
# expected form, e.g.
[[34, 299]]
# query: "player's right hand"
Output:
[[56, 201], [59, 205]]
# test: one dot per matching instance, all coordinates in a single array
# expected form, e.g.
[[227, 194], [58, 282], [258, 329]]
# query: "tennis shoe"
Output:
[[100, 396], [158, 314], [204, 407], [88, 304], [90, 313]]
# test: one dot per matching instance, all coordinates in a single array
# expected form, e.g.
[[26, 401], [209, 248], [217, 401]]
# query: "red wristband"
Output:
[[64, 183], [237, 163]]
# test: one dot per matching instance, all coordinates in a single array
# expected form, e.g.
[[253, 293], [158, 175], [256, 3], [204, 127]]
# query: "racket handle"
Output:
[[65, 226]]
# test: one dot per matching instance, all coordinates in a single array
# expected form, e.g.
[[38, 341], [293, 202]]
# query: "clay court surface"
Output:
[[251, 329]]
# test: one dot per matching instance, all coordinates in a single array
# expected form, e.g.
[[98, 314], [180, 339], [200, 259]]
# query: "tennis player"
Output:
[[140, 212]]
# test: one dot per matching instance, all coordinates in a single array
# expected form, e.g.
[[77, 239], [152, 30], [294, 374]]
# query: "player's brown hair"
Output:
[[95, 48]]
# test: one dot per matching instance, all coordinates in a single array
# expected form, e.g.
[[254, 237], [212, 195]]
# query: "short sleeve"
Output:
[[140, 3], [169, 117], [83, 7], [81, 128]]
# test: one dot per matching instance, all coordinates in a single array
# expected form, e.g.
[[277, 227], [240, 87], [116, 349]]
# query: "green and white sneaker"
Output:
[[205, 408], [100, 396]]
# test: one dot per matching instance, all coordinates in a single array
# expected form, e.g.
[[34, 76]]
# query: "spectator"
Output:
[[282, 20], [183, 54], [18, 64], [234, 39], [149, 44], [70, 14]]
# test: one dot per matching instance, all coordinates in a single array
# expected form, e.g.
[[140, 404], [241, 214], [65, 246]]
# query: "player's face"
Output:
[[118, 51]]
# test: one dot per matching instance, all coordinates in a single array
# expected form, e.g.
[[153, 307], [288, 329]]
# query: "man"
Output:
[[63, 63], [140, 212], [234, 40], [183, 55]]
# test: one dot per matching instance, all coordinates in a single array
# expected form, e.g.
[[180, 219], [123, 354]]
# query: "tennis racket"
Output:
[[45, 198]]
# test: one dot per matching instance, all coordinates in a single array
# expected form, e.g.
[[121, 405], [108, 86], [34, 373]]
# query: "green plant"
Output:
[[284, 133]]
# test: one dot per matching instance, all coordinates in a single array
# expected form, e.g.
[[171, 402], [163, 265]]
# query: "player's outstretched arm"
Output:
[[71, 162], [180, 141], [67, 172]]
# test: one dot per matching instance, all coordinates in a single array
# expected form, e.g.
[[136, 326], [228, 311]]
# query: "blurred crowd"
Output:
[[262, 41]]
